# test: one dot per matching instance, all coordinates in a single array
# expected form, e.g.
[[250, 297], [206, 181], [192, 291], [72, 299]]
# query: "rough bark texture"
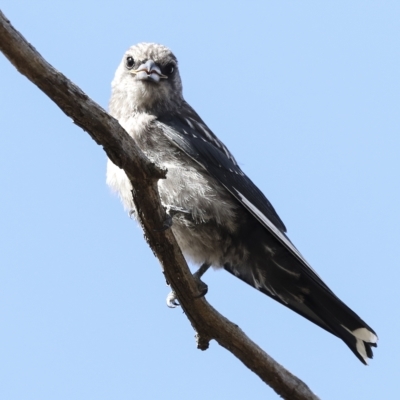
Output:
[[120, 148]]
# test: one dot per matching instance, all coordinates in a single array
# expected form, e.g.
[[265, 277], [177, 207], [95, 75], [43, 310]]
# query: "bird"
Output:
[[217, 214]]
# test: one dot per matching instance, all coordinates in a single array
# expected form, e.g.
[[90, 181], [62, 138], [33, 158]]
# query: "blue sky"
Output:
[[304, 94]]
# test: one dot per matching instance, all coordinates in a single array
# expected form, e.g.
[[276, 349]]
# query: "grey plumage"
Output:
[[225, 221]]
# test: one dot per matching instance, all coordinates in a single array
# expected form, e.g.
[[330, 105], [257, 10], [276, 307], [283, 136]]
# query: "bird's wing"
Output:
[[191, 134], [188, 132]]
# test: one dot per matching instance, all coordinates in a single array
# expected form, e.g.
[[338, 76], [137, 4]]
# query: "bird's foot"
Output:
[[132, 213], [201, 286], [171, 211], [166, 224], [172, 300]]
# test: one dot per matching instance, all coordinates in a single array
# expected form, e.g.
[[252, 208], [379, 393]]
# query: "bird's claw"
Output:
[[172, 300], [171, 211], [201, 286], [166, 224]]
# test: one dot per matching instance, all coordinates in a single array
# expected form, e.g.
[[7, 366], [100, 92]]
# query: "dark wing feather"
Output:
[[191, 135]]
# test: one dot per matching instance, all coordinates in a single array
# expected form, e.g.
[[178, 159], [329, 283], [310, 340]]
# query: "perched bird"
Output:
[[219, 217]]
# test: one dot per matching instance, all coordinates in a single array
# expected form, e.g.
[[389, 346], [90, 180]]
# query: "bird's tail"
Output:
[[343, 322], [316, 302]]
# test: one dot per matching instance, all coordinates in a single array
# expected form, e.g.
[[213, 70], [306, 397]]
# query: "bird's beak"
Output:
[[149, 71]]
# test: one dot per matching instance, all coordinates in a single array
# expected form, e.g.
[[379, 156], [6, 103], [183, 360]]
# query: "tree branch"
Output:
[[144, 175]]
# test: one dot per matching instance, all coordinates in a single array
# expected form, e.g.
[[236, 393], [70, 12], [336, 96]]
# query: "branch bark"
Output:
[[144, 175]]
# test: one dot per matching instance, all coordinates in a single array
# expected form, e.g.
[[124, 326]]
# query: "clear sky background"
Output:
[[306, 96]]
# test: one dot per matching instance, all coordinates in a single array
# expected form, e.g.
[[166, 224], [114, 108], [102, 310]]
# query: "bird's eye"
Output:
[[130, 62], [168, 69]]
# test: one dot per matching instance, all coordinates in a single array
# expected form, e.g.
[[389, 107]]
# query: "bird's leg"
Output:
[[203, 288], [172, 300], [171, 211]]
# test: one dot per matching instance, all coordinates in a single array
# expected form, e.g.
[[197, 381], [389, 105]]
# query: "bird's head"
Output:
[[147, 80]]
